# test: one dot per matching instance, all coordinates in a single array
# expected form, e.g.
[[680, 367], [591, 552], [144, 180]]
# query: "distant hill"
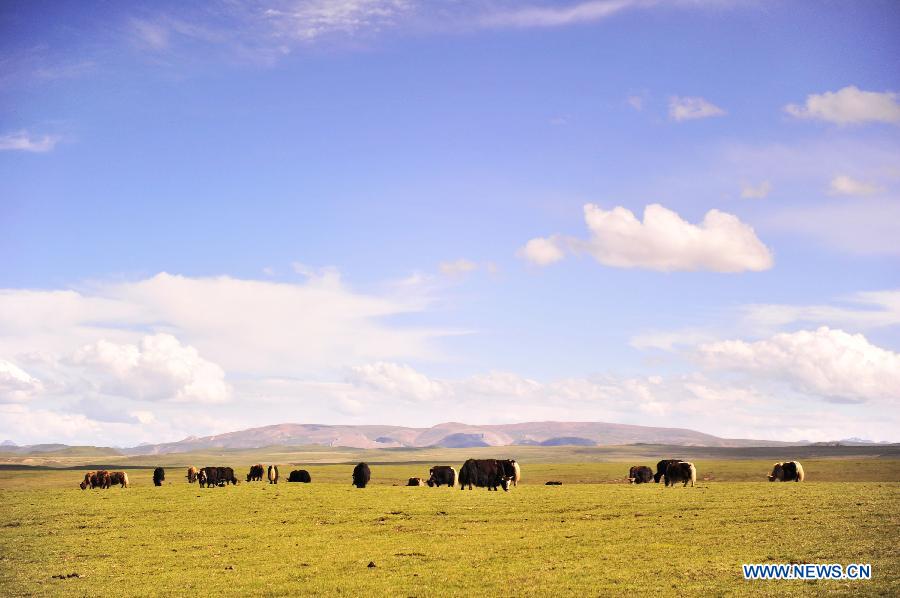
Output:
[[448, 435]]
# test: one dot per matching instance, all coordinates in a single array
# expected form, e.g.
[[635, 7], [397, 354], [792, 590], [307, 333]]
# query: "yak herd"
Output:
[[481, 473]]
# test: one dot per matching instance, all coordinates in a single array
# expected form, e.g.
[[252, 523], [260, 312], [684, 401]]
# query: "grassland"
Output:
[[593, 535]]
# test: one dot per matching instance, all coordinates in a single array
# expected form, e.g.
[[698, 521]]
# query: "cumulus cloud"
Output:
[[760, 191], [16, 385], [160, 368], [849, 105], [663, 241], [542, 251], [845, 185], [399, 380], [692, 108], [24, 142], [826, 362]]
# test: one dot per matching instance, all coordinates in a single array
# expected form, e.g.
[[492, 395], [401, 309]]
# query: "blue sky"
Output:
[[392, 211]]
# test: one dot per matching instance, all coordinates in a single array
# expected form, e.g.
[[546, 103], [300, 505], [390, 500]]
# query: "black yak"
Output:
[[361, 475]]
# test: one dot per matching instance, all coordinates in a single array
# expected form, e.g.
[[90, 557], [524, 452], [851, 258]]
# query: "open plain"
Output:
[[595, 534]]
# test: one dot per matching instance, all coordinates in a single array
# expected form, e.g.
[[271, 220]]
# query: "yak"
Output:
[[159, 476], [483, 473], [95, 479], [273, 474], [361, 475], [191, 474], [256, 473], [441, 475], [680, 472], [216, 476], [640, 474], [791, 471], [661, 468]]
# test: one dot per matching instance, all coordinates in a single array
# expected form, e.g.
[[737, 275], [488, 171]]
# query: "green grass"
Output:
[[577, 539]]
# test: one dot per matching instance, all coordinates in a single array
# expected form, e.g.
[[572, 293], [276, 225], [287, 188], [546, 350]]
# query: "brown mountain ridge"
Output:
[[449, 435]]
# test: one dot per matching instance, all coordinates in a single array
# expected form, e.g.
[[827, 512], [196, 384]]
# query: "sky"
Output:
[[235, 214]]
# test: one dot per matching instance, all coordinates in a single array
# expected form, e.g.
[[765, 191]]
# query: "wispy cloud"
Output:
[[692, 108], [759, 191], [847, 185], [313, 19], [23, 141], [557, 16], [265, 30]]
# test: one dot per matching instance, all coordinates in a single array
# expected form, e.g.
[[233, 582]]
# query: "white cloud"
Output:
[[692, 108], [314, 19], [636, 102], [24, 142], [399, 380], [845, 185], [501, 384], [557, 16], [666, 242], [542, 251], [849, 105], [826, 362], [457, 267], [16, 385], [264, 31], [160, 368], [759, 191], [248, 327], [44, 425], [866, 310]]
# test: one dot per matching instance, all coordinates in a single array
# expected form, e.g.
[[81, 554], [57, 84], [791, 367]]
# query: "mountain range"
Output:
[[448, 435]]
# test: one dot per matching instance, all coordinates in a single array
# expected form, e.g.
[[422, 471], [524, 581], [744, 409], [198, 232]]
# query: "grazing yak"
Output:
[[680, 472], [216, 476], [483, 473], [192, 474], [361, 475], [415, 482], [95, 479], [791, 471], [273, 474], [159, 476], [299, 475], [440, 475], [256, 473], [661, 468], [512, 470], [640, 474]]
